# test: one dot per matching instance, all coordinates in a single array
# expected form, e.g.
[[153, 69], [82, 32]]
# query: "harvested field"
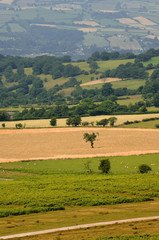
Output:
[[89, 23], [104, 80], [43, 25], [108, 11], [61, 9], [7, 1], [152, 37], [145, 21], [126, 20], [87, 30], [29, 144]]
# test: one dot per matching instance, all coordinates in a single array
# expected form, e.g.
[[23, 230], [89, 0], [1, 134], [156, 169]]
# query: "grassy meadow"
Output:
[[149, 124], [125, 100], [57, 193]]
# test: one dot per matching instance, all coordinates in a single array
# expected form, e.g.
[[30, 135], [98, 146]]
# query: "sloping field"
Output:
[[145, 21], [88, 23], [87, 30], [28, 144], [126, 21], [104, 80]]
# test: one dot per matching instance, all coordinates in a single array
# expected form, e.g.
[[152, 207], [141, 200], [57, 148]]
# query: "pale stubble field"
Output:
[[54, 143]]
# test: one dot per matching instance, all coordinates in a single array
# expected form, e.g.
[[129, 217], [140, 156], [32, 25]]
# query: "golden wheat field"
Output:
[[53, 143]]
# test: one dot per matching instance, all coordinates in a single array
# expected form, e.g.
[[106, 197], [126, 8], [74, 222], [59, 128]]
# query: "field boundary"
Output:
[[79, 227], [58, 157]]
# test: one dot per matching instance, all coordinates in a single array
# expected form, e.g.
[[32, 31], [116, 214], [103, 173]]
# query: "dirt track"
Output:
[[79, 227], [54, 143]]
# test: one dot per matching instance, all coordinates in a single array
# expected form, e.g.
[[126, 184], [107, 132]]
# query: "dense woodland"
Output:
[[18, 88]]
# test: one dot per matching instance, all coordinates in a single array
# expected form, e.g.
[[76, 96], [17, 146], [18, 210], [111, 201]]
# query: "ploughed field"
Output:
[[53, 143]]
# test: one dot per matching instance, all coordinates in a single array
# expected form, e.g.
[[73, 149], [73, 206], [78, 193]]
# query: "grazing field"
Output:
[[111, 64], [130, 84], [125, 100], [25, 144], [147, 124], [154, 61], [119, 164], [42, 187]]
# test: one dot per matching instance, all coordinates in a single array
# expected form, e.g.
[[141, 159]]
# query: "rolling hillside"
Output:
[[38, 27]]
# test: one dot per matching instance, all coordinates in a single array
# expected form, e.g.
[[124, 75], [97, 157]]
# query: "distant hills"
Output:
[[67, 27]]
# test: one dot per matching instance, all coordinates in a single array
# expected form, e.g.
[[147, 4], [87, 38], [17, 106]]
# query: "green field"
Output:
[[111, 64], [130, 84], [41, 186], [125, 100], [154, 61], [149, 124], [119, 165]]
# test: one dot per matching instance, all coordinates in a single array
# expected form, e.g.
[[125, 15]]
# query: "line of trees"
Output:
[[85, 108]]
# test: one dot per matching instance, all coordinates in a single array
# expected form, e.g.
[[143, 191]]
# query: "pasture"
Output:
[[154, 61], [53, 143], [147, 124], [130, 84], [41, 187], [125, 100]]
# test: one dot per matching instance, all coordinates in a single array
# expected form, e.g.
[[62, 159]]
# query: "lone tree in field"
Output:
[[53, 121], [104, 166], [90, 137]]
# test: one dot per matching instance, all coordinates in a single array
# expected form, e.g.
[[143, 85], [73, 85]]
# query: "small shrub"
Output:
[[128, 122], [19, 126], [136, 121], [157, 125], [53, 121], [85, 123], [144, 168], [3, 125], [104, 166], [92, 123]]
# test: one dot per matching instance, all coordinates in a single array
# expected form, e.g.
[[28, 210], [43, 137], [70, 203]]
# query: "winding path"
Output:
[[78, 227]]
